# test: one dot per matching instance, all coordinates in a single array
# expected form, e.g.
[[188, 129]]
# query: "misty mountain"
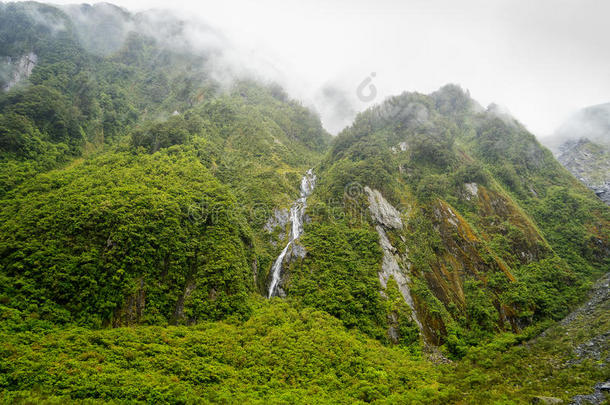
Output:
[[592, 123], [172, 230], [458, 196], [582, 145], [590, 163]]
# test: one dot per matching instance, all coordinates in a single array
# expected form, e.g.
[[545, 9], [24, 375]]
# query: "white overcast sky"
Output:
[[541, 59]]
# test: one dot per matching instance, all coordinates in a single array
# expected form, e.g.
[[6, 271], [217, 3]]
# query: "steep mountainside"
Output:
[[156, 214], [591, 122], [584, 148], [463, 221], [170, 236], [590, 163]]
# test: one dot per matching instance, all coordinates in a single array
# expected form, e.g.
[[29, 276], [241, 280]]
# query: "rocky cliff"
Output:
[[582, 145], [590, 163], [474, 222], [14, 70]]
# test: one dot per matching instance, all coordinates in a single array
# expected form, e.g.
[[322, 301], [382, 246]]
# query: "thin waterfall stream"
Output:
[[297, 211]]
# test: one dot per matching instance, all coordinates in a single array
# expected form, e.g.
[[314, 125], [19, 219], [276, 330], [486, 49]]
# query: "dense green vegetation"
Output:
[[521, 248], [339, 276], [89, 243], [136, 194], [282, 355], [278, 355], [161, 221]]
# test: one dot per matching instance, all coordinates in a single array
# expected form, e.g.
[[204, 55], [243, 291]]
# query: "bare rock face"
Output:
[[393, 265], [280, 218], [590, 163], [391, 268], [472, 189], [582, 145], [16, 70], [382, 211]]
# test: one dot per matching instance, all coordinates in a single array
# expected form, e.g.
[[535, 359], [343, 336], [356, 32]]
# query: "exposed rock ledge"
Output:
[[18, 69], [388, 217], [382, 211]]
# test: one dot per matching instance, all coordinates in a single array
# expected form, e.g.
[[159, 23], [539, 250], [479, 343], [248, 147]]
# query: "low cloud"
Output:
[[543, 59]]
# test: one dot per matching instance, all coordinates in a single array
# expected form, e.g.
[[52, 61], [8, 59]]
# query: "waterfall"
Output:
[[297, 211]]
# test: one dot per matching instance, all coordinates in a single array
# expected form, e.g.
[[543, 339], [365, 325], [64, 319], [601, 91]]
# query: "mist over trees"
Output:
[[150, 181]]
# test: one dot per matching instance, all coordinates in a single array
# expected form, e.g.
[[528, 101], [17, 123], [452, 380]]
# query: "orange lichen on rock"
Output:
[[434, 328], [504, 269], [454, 218], [496, 211]]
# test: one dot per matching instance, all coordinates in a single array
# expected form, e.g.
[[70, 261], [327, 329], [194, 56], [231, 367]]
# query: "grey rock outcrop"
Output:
[[280, 218], [599, 395], [590, 163], [393, 265], [582, 145], [382, 211], [472, 189], [16, 70]]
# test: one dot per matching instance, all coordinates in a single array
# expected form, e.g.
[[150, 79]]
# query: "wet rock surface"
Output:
[[18, 69], [600, 295], [382, 211], [590, 163], [598, 396], [393, 265], [297, 212], [280, 218], [594, 348]]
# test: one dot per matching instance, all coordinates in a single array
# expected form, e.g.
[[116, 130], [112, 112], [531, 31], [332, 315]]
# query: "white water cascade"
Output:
[[296, 220]]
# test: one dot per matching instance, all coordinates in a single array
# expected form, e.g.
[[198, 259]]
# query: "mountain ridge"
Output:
[[584, 148], [145, 204]]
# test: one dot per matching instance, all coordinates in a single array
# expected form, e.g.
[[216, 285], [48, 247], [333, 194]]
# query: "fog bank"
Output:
[[541, 60]]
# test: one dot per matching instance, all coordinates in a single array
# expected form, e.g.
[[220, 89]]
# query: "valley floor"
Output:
[[285, 355]]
